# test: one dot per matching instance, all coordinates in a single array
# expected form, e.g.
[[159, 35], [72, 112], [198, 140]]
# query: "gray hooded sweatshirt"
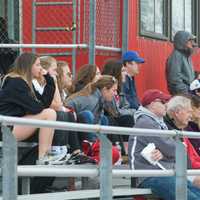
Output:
[[148, 120], [179, 68], [94, 103]]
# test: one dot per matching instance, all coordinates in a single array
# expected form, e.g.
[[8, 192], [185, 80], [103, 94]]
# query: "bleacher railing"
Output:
[[10, 170]]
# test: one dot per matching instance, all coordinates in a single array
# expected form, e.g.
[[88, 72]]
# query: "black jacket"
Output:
[[7, 55], [171, 126], [47, 96], [16, 99], [170, 123]]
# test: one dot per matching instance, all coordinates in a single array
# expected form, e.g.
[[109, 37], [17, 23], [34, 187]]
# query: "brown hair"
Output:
[[84, 76], [114, 68], [23, 68], [106, 81]]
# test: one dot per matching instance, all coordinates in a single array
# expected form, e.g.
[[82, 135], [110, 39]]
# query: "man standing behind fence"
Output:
[[155, 152], [7, 55], [179, 69]]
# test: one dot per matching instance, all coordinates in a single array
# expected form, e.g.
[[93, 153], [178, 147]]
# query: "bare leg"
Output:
[[45, 134]]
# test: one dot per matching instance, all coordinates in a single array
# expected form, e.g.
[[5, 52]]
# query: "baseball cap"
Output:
[[153, 94], [132, 56], [195, 85]]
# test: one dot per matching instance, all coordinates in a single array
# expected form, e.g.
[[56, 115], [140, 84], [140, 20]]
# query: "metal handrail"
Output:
[[4, 120], [60, 46], [87, 127], [56, 46]]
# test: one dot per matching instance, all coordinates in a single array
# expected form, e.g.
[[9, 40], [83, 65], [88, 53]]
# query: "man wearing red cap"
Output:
[[155, 152]]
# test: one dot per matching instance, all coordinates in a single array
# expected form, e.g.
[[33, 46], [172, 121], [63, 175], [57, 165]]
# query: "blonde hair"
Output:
[[46, 61], [60, 66]]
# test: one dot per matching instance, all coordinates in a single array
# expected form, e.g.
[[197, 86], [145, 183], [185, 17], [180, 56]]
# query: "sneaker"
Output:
[[61, 151], [80, 158], [56, 156]]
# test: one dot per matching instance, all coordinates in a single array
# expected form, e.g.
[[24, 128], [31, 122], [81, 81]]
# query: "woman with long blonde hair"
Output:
[[64, 79], [48, 92]]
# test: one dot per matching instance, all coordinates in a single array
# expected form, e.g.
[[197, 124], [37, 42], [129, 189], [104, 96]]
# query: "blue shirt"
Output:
[[129, 90]]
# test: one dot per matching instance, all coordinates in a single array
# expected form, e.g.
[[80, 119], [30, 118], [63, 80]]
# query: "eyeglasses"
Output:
[[159, 100]]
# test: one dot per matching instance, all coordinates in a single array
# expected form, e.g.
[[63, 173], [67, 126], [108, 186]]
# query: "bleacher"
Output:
[[104, 171], [120, 188]]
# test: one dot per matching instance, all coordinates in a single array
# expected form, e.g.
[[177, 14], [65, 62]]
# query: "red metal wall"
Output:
[[47, 16], [155, 52]]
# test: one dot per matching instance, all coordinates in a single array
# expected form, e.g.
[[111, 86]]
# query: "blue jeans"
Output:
[[164, 187], [87, 117], [104, 120]]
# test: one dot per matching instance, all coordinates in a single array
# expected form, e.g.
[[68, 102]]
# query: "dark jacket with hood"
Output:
[[172, 126], [94, 103], [7, 55], [179, 69]]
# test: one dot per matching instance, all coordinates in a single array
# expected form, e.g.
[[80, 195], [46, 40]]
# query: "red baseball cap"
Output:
[[153, 94]]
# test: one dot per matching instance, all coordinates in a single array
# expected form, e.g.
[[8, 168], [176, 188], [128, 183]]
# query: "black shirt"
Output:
[[16, 98], [48, 94]]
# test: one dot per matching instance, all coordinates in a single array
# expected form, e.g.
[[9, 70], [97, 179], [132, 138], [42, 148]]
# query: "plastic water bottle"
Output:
[[119, 162]]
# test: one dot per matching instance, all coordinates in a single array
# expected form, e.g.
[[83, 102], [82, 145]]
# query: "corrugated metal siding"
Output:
[[155, 52]]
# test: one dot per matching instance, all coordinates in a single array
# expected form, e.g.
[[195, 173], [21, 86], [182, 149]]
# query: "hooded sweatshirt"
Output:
[[94, 103], [179, 68], [148, 120]]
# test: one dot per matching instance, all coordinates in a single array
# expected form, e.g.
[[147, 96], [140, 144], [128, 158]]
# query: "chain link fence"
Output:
[[49, 22], [63, 22], [108, 23]]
